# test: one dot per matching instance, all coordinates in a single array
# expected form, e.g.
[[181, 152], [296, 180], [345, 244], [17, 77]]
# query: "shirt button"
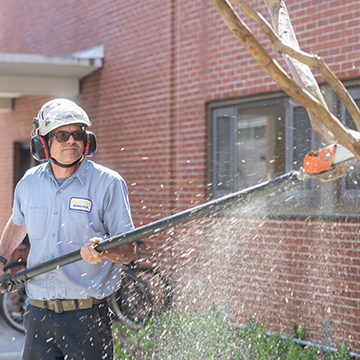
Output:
[[53, 235], [55, 213]]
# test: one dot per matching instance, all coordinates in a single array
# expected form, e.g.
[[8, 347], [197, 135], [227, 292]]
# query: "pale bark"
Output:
[[301, 72], [313, 61], [316, 108]]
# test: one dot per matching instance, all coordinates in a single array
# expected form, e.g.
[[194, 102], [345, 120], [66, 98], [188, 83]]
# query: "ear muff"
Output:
[[90, 144], [39, 148]]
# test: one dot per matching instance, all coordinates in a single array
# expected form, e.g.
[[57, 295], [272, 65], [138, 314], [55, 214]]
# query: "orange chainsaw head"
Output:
[[320, 160], [319, 164]]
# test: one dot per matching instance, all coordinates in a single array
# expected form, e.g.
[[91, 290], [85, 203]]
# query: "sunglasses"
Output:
[[63, 136]]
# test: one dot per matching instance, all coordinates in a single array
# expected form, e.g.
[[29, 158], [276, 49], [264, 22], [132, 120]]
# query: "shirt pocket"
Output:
[[82, 228], [36, 223]]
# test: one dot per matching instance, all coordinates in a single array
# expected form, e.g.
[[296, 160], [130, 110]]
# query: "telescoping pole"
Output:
[[276, 185]]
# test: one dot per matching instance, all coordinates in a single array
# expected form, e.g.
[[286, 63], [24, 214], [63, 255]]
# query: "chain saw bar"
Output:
[[327, 164], [275, 186]]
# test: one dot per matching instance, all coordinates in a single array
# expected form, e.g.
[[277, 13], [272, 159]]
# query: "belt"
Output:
[[60, 306]]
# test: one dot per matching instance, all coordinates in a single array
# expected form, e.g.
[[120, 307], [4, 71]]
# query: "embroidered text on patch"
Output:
[[80, 204]]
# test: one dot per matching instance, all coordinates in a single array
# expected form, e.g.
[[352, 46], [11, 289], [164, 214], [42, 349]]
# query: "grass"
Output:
[[207, 336]]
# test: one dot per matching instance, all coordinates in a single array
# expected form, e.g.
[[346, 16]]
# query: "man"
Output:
[[66, 204]]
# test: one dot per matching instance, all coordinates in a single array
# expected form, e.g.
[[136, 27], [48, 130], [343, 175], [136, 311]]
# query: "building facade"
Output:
[[185, 115]]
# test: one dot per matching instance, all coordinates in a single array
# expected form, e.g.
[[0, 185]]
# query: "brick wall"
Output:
[[274, 270], [164, 62]]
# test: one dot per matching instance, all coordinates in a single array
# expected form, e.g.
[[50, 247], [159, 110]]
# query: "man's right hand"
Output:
[[4, 281], [11, 238]]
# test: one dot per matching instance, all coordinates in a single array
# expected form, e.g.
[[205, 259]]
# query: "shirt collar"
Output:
[[80, 174]]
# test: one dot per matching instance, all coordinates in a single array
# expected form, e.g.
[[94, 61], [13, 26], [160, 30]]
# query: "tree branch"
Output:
[[313, 61], [348, 138]]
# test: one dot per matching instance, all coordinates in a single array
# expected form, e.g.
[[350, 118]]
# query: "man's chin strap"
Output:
[[67, 165]]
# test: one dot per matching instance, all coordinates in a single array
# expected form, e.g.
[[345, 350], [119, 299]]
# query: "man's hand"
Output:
[[11, 238], [2, 277], [90, 255], [5, 283], [122, 254]]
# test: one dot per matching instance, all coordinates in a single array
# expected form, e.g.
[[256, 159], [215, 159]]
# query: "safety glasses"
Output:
[[63, 136]]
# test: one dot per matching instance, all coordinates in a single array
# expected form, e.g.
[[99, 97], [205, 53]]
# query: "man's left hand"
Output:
[[90, 255]]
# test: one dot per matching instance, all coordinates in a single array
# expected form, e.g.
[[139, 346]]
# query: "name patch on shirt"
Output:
[[80, 204]]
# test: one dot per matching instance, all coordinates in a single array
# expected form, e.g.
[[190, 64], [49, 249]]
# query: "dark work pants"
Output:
[[72, 335]]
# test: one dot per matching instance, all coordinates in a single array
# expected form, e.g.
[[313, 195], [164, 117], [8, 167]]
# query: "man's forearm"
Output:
[[11, 238], [122, 254]]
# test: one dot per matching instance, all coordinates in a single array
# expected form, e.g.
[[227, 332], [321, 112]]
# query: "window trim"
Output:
[[291, 104], [323, 206], [227, 112], [348, 194]]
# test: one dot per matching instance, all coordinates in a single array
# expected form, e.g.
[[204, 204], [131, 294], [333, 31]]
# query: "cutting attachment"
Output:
[[327, 164]]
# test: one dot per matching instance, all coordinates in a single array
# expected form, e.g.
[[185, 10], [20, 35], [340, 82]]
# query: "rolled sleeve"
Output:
[[117, 214], [17, 214]]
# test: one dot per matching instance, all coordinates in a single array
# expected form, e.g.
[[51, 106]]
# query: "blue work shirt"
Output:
[[61, 219]]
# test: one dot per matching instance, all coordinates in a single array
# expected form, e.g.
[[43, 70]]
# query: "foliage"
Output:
[[178, 336], [208, 336], [299, 331]]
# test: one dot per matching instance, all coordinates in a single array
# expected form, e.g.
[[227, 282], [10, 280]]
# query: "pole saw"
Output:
[[326, 165]]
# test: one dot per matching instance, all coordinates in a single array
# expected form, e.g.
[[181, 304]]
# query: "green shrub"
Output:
[[178, 336], [207, 336], [299, 331]]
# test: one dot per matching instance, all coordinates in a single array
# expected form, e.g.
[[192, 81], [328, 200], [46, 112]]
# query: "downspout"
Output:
[[172, 172]]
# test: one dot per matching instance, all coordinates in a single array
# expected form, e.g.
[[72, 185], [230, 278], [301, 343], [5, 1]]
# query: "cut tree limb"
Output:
[[301, 72], [348, 138], [312, 61]]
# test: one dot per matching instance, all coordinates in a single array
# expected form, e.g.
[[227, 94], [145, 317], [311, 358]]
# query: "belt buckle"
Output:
[[57, 305]]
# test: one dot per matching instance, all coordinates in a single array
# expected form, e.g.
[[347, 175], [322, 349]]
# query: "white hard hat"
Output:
[[59, 112]]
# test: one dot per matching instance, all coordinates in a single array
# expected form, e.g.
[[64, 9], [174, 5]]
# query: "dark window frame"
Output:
[[23, 160]]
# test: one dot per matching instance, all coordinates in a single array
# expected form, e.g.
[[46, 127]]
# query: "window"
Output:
[[250, 150], [260, 139], [249, 142], [348, 192], [23, 160]]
